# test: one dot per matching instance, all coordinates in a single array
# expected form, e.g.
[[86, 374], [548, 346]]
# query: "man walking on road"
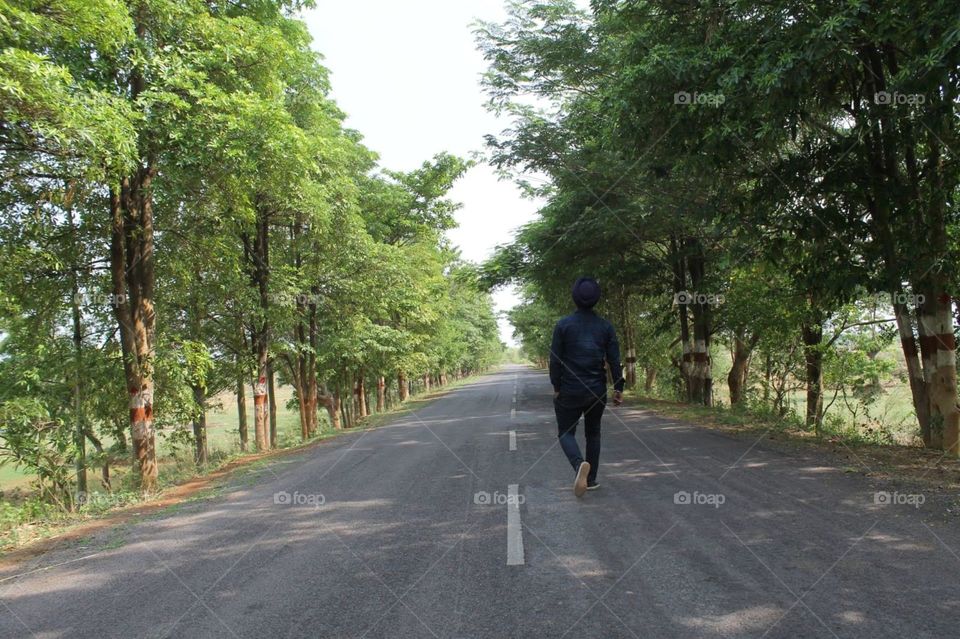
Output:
[[582, 342]]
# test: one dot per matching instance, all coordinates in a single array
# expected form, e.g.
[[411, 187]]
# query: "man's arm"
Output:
[[613, 359], [556, 361]]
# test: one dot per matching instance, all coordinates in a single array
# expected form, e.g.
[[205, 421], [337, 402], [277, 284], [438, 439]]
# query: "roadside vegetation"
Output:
[[26, 518], [198, 260], [766, 192]]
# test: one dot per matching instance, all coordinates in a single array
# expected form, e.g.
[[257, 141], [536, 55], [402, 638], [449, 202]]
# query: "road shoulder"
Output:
[[76, 533], [887, 466]]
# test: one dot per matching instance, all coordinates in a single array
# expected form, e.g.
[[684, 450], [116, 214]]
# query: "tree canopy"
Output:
[[184, 214], [779, 179]]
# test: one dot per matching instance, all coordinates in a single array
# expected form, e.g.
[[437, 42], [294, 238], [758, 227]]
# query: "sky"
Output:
[[407, 73]]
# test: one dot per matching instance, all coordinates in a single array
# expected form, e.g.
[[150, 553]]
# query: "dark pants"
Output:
[[569, 410]]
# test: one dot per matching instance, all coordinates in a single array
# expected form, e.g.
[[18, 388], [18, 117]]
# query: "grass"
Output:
[[12, 477], [223, 423], [890, 417]]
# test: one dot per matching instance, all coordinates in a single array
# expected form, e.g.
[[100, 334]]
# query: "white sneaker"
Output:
[[580, 484]]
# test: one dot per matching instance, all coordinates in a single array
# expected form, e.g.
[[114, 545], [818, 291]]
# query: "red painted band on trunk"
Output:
[[700, 357], [946, 342], [928, 343], [688, 357], [138, 414], [259, 400], [909, 347]]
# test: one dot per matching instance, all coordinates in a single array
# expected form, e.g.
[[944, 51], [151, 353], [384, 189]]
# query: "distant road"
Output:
[[458, 521]]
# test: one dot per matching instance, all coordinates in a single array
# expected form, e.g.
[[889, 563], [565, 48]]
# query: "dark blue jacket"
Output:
[[581, 343]]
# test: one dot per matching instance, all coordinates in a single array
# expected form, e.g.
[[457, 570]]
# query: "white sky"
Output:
[[407, 73]]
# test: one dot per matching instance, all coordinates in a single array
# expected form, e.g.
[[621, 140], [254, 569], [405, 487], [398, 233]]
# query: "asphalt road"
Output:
[[403, 531]]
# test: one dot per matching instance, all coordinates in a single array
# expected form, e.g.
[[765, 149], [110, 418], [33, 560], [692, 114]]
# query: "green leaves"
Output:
[[808, 149], [270, 225]]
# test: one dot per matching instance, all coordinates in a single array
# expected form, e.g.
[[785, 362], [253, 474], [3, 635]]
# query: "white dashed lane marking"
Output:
[[514, 527]]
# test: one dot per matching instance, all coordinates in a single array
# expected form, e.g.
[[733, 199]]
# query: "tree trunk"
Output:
[[344, 403], [937, 340], [349, 407], [79, 414], [79, 421], [813, 357], [197, 383], [105, 468], [361, 393], [132, 281], [631, 360], [344, 413], [892, 164], [681, 298], [402, 388], [628, 340], [260, 410], [737, 377], [911, 355], [257, 257], [201, 453], [242, 412], [312, 390], [331, 401], [381, 394], [272, 395], [132, 278], [650, 380], [301, 406], [303, 368], [313, 420], [767, 377], [297, 365], [327, 401], [701, 376]]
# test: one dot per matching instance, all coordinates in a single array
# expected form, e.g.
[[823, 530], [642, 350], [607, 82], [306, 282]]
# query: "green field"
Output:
[[892, 411]]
